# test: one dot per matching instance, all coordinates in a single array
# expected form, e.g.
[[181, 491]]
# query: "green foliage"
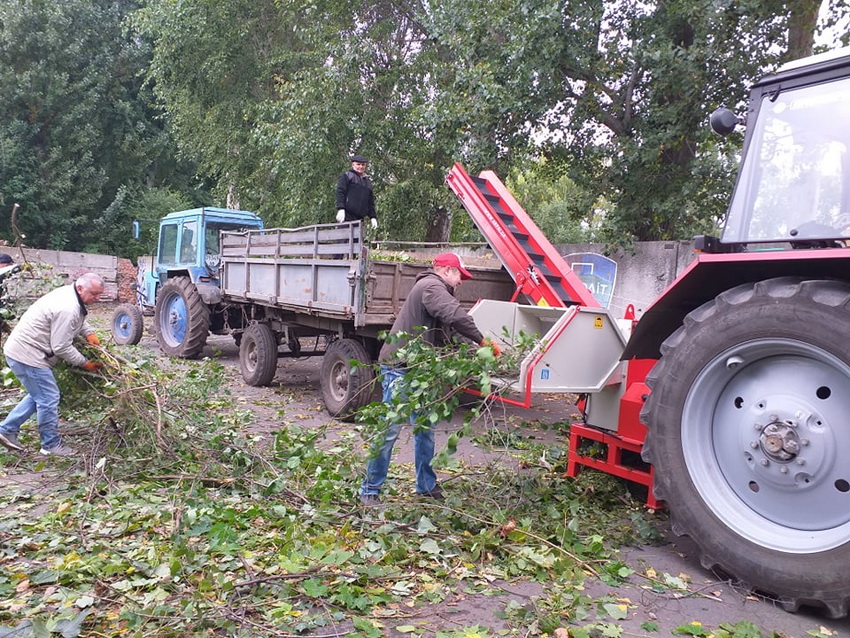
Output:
[[76, 125], [146, 206], [182, 523], [693, 628], [267, 99], [435, 380], [561, 210]]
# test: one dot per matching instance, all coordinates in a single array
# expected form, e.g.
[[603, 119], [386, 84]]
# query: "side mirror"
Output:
[[723, 121]]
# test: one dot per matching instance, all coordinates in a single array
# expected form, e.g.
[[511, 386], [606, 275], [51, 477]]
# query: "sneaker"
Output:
[[11, 441], [59, 450], [370, 500], [436, 494]]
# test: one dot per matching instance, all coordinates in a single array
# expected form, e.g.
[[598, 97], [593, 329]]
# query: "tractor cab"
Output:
[[794, 181], [188, 246]]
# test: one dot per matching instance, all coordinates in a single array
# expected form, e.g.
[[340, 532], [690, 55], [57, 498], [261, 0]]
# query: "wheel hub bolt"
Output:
[[765, 462]]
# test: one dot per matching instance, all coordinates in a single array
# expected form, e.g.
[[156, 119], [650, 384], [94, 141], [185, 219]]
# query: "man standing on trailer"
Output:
[[355, 199], [431, 305]]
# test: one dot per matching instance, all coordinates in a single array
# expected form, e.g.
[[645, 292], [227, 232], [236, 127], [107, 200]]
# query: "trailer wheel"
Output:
[[182, 319], [258, 354], [748, 434], [127, 325], [345, 387]]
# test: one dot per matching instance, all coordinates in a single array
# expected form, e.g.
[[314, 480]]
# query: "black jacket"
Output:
[[354, 194], [431, 304]]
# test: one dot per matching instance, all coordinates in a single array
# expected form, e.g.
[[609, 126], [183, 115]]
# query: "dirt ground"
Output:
[[294, 396]]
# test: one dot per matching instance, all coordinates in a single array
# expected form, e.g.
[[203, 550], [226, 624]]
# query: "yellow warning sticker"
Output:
[[597, 322]]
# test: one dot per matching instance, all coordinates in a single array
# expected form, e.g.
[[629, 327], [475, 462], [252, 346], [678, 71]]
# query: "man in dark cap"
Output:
[[6, 260], [355, 199]]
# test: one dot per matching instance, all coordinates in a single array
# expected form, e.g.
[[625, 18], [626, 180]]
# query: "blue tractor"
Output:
[[181, 287]]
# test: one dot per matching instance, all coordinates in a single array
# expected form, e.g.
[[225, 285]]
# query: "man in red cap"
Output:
[[432, 306]]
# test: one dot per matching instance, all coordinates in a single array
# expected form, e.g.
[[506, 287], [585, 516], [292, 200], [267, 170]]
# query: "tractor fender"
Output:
[[711, 274], [210, 292]]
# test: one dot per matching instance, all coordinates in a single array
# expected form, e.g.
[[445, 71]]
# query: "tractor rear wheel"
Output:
[[346, 386], [182, 319], [747, 430], [127, 325]]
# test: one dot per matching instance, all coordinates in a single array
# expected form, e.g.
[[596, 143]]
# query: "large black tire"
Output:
[[128, 324], [181, 318], [258, 354], [748, 434], [346, 387]]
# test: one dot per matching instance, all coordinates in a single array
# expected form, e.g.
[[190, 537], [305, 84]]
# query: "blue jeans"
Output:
[[392, 380], [42, 398]]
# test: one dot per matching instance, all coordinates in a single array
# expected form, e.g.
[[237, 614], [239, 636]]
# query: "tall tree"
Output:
[[275, 117], [75, 123], [272, 96]]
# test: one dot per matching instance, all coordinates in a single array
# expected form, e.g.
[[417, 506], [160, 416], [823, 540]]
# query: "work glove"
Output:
[[92, 339], [340, 215], [92, 366], [374, 223], [486, 341]]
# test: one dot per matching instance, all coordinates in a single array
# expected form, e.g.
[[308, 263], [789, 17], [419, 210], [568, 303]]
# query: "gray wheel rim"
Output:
[[251, 356], [339, 380], [762, 431], [174, 320], [123, 325]]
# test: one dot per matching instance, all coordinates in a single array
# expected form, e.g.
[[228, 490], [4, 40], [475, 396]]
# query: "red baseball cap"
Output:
[[452, 260]]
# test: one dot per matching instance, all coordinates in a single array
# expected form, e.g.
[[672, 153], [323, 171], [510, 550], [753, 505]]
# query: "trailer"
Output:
[[320, 290], [324, 284]]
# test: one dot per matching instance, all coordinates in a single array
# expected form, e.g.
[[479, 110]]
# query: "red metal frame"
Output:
[[612, 463], [631, 434]]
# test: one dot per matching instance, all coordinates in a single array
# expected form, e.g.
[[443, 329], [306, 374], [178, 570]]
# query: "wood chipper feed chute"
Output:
[[578, 348]]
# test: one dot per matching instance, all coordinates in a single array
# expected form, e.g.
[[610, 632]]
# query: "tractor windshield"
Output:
[[794, 183], [213, 231]]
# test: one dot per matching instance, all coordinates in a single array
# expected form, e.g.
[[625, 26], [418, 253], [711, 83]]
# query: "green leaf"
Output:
[[314, 588], [616, 611], [430, 546], [45, 577], [425, 526], [71, 628], [369, 628]]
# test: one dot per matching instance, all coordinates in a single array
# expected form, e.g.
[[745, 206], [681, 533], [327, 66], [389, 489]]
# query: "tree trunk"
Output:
[[439, 230], [802, 21]]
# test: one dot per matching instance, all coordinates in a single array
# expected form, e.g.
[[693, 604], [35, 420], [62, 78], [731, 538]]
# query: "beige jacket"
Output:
[[46, 331]]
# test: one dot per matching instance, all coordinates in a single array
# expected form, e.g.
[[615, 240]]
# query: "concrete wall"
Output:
[[641, 276], [69, 265]]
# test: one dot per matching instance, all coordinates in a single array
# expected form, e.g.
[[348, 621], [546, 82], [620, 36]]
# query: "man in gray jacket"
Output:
[[431, 304], [45, 334]]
